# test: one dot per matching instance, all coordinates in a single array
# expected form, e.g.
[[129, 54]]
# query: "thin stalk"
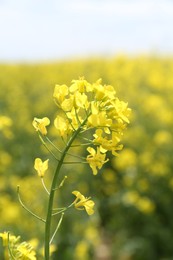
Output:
[[58, 212], [86, 139], [44, 186], [77, 145], [74, 162], [77, 117], [76, 156], [23, 206], [58, 226], [62, 138], [59, 149], [53, 145], [53, 189], [62, 209], [45, 145], [9, 249]]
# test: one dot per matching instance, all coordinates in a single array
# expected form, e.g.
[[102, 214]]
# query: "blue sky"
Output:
[[34, 30]]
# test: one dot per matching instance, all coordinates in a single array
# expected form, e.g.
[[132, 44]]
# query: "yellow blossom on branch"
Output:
[[96, 159], [41, 167], [81, 203], [81, 100], [60, 92], [119, 110], [25, 251], [73, 119], [100, 120], [22, 251], [87, 106], [6, 238], [40, 124], [63, 126], [67, 104], [103, 92], [81, 85], [111, 144]]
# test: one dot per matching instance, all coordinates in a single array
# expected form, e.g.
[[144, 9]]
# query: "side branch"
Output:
[[28, 210]]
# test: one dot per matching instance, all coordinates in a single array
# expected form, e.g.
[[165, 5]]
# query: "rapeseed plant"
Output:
[[81, 108]]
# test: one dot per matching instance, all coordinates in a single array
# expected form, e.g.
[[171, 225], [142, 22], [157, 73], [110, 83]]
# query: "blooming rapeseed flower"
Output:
[[60, 92], [106, 144], [62, 125], [40, 124], [82, 202], [95, 159], [25, 252], [40, 166], [20, 251], [6, 238]]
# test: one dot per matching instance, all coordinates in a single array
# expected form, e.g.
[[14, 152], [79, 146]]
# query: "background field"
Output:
[[133, 193]]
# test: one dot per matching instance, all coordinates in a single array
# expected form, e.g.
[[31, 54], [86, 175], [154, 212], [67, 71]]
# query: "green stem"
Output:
[[45, 145], [53, 145], [58, 148], [23, 206], [53, 189], [77, 145], [75, 162], [58, 226], [9, 249], [44, 186]]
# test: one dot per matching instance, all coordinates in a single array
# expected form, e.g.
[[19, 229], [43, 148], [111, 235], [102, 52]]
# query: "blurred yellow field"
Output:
[[133, 192]]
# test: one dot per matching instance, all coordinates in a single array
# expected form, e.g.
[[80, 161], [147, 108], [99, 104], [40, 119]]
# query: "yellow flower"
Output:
[[75, 120], [40, 166], [103, 92], [82, 202], [99, 120], [22, 251], [25, 252], [6, 238], [60, 93], [107, 144], [120, 110], [95, 159], [63, 126], [40, 124], [81, 85], [68, 103], [81, 100]]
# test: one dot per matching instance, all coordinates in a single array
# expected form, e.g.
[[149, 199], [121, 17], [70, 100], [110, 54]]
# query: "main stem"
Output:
[[53, 189]]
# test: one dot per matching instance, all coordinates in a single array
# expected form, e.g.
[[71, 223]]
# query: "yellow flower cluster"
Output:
[[88, 106], [17, 250], [82, 107], [92, 106]]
